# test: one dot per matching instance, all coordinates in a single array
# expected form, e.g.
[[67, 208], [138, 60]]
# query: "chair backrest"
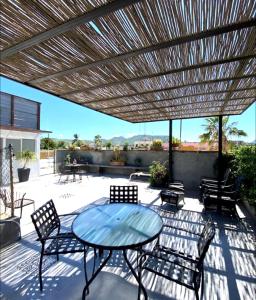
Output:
[[5, 195], [124, 194], [204, 241], [45, 220]]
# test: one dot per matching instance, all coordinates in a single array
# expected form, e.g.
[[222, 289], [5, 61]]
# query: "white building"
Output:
[[20, 127]]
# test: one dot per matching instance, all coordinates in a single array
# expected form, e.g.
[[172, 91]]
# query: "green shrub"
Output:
[[244, 164], [159, 174]]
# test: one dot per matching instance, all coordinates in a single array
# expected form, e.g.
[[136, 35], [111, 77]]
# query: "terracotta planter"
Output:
[[117, 163]]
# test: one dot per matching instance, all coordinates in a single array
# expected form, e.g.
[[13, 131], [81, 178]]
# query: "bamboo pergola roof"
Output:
[[136, 60]]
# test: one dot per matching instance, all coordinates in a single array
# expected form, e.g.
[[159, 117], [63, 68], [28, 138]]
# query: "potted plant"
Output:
[[175, 142], [26, 157], [159, 174], [117, 160]]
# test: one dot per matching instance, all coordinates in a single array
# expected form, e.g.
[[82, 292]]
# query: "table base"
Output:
[[94, 275]]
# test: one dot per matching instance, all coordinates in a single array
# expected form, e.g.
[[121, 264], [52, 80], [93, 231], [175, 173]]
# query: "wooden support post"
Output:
[[220, 167], [170, 151], [10, 150]]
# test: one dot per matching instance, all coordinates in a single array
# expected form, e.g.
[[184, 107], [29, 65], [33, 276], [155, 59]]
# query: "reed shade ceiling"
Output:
[[138, 61]]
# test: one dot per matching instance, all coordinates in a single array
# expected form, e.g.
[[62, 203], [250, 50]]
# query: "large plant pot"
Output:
[[9, 231], [23, 174]]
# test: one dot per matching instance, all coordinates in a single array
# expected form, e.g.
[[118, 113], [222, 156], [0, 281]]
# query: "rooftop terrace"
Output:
[[229, 267]]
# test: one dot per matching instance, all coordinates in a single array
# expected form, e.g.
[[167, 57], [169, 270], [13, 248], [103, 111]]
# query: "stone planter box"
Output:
[[117, 163], [9, 231]]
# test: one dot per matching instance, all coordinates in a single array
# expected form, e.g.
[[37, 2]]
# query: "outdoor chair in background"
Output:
[[19, 200], [213, 182], [176, 266], [47, 224], [226, 196], [124, 194]]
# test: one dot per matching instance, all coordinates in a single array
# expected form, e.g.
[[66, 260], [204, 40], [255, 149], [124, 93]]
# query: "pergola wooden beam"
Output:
[[175, 98], [174, 71], [173, 88], [85, 18], [178, 41]]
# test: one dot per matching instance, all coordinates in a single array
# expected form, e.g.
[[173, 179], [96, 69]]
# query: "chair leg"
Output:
[[40, 270], [85, 268], [197, 296], [21, 211]]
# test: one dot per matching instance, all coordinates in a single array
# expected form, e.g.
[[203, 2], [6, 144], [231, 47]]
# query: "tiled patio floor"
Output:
[[230, 265]]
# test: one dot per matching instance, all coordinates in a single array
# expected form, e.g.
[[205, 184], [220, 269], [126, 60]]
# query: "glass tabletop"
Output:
[[117, 226]]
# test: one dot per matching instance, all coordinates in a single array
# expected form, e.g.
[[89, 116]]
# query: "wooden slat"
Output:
[[174, 42], [178, 70], [122, 106], [240, 70], [174, 88], [87, 17], [183, 106]]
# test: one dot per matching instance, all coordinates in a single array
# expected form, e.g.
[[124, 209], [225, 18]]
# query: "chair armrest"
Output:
[[56, 237], [71, 214], [152, 254], [176, 253]]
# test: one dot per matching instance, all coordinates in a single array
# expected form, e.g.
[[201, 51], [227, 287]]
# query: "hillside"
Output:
[[120, 140]]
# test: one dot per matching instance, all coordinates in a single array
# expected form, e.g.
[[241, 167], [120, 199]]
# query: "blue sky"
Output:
[[65, 119]]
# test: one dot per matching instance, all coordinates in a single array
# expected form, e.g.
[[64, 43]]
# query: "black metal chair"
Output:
[[19, 200], [180, 267], [124, 194], [47, 224], [226, 196], [207, 183]]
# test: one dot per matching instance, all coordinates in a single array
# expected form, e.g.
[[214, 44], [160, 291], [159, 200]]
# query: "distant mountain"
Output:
[[120, 140]]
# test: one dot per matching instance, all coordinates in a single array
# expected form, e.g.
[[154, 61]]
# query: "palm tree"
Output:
[[212, 130]]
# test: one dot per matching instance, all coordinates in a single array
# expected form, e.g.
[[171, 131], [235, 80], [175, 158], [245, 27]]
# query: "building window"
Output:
[[28, 144], [16, 144]]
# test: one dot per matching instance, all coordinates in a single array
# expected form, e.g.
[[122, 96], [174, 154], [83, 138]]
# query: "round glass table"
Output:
[[116, 227]]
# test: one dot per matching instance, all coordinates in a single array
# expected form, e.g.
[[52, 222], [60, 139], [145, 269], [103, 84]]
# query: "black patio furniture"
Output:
[[207, 183], [180, 267], [64, 171], [226, 196], [77, 169], [119, 226], [19, 200], [124, 194], [47, 224], [173, 194]]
